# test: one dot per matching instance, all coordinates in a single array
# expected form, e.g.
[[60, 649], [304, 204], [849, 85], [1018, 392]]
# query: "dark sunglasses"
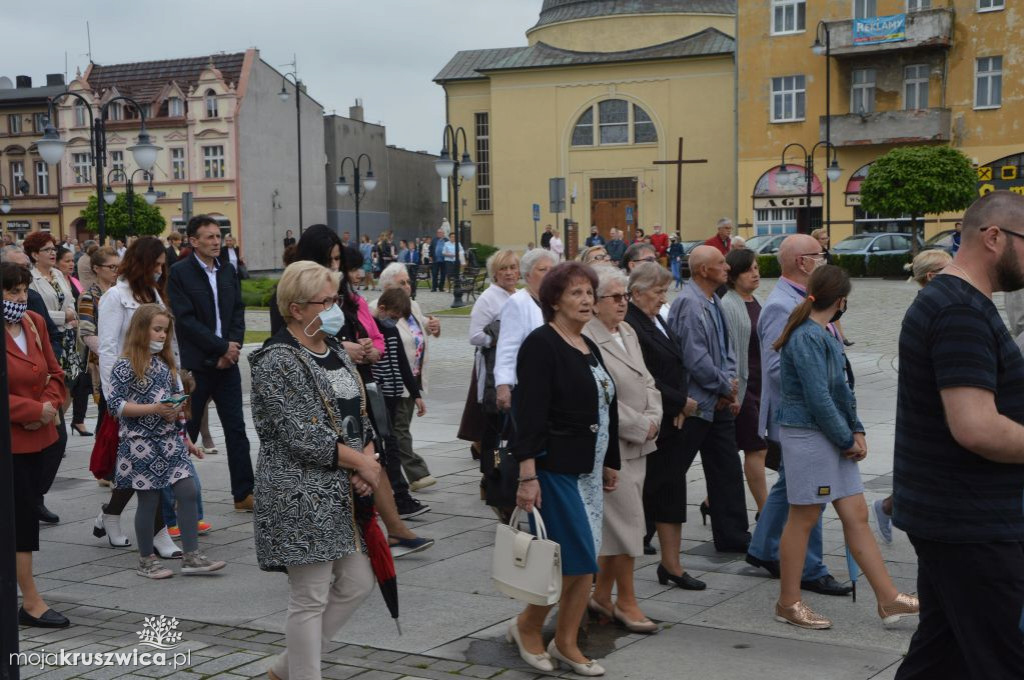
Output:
[[618, 298]]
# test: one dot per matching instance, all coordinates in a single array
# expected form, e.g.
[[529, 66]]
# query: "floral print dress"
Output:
[[591, 485]]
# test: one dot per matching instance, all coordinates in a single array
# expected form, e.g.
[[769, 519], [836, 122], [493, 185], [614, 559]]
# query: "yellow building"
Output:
[[30, 187], [915, 72], [601, 92]]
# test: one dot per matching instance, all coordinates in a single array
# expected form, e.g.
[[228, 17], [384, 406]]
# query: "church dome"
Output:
[[555, 11]]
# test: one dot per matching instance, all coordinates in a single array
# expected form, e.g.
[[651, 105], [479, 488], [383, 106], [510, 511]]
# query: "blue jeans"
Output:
[[676, 272], [764, 545], [167, 501]]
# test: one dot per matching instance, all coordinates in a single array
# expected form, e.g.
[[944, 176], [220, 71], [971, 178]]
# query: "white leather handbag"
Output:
[[527, 567]]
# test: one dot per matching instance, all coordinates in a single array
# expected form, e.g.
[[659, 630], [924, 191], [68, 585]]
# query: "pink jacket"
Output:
[[370, 324]]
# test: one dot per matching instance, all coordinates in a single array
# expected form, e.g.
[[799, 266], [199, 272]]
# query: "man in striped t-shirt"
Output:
[[959, 455]]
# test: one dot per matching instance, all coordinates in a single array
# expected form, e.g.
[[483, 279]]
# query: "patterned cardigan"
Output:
[[303, 507]]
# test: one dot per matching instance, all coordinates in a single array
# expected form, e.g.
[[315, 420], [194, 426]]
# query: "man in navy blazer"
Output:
[[799, 255], [206, 298], [709, 356]]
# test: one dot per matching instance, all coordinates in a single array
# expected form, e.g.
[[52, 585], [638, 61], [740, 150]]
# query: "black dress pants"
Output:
[[972, 610], [723, 473], [224, 386], [80, 394], [51, 458]]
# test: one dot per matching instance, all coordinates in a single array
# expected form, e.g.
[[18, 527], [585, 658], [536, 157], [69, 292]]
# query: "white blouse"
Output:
[[486, 309], [520, 316]]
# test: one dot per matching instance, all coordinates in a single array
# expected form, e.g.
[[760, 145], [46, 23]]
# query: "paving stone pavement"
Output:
[[453, 619]]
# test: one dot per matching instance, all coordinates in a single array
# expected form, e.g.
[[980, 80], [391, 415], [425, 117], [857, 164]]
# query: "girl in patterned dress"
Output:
[[153, 450]]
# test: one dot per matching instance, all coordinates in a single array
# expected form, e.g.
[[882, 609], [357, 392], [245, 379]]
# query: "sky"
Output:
[[385, 52]]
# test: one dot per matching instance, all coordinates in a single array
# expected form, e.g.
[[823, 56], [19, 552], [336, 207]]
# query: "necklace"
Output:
[[576, 341], [965, 274]]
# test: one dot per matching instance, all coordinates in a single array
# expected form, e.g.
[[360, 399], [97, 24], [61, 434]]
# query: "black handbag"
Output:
[[500, 469]]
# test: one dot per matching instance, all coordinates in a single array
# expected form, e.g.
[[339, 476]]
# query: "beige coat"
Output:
[[49, 295], [638, 398]]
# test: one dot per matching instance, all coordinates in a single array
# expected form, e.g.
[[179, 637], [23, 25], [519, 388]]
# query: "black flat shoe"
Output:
[[49, 619], [771, 566], [79, 429], [826, 585], [705, 512], [684, 581], [848, 343], [648, 548], [45, 515]]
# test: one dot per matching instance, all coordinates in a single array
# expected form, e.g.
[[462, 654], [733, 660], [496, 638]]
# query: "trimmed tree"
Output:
[[919, 181], [148, 221]]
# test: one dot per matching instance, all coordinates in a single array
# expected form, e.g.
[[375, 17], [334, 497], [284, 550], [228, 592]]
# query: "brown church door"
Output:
[[613, 205]]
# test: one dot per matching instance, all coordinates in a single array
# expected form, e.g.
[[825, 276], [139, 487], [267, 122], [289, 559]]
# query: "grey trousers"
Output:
[[321, 599], [413, 464]]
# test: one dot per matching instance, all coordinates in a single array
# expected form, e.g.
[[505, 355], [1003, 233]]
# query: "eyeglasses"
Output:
[[111, 267], [1005, 231], [326, 302], [600, 257], [815, 256], [50, 249], [650, 258], [618, 298]]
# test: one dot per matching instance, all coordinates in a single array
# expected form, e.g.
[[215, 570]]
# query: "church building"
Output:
[[601, 95]]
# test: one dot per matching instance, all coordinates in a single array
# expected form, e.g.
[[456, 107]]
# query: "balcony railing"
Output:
[[890, 127], [932, 28]]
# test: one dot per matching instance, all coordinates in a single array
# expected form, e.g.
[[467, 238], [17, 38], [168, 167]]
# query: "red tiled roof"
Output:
[[145, 80]]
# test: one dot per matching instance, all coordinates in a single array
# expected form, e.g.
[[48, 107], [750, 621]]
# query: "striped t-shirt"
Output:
[[953, 336]]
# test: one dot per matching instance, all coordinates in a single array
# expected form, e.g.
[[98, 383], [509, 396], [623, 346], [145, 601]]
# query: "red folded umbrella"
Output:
[[379, 550]]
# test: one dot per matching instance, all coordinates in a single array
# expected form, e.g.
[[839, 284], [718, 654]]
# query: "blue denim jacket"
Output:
[[815, 393]]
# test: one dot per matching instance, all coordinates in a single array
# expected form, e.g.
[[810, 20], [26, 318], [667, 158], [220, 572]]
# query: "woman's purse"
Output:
[[527, 567], [104, 448], [500, 471]]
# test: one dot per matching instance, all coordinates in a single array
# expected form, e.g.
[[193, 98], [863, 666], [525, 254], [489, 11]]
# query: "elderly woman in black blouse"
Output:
[[567, 443]]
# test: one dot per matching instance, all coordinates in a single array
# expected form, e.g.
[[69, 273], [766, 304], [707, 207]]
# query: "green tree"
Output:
[[147, 218], [918, 181]]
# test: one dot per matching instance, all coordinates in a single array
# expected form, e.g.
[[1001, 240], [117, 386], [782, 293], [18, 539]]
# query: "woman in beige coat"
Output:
[[640, 412]]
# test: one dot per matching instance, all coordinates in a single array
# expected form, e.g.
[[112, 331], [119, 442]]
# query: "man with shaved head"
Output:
[[799, 255], [959, 455], [710, 359]]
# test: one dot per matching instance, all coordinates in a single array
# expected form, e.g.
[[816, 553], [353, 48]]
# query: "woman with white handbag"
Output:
[[568, 446]]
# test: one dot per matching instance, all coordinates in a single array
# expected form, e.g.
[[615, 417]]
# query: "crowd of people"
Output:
[[599, 393]]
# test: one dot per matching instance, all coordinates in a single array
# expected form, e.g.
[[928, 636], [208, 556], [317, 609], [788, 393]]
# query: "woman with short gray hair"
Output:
[[519, 317]]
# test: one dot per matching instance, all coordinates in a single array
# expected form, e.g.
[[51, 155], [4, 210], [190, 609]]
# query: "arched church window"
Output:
[[616, 123]]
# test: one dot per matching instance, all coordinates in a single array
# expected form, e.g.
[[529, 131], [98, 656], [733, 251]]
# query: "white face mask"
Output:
[[156, 347]]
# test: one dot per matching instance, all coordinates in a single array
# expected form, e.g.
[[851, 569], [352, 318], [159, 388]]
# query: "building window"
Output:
[[117, 164], [81, 163], [613, 120], [918, 5], [42, 178], [39, 122], [17, 177], [115, 111], [211, 104], [991, 5], [643, 127], [583, 133], [178, 163], [862, 91], [788, 98], [483, 161], [865, 9], [81, 115], [213, 162], [44, 226], [915, 87], [788, 16], [775, 221], [988, 83], [175, 107], [14, 123]]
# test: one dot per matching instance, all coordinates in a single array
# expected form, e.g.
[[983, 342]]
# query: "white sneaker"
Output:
[[422, 483], [165, 547]]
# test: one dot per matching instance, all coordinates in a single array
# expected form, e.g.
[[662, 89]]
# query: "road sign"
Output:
[[629, 214], [556, 194], [536, 212]]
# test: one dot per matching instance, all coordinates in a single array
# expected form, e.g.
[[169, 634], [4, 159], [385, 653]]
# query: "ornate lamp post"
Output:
[[360, 183], [5, 202], [51, 146], [456, 168], [283, 95], [833, 172], [109, 196], [825, 49]]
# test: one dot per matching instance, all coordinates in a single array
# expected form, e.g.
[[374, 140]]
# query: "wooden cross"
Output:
[[679, 163]]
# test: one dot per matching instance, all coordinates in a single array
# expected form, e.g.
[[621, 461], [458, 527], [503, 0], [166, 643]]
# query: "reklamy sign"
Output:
[[874, 30]]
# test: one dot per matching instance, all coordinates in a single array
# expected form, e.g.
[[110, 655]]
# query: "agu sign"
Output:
[[875, 30]]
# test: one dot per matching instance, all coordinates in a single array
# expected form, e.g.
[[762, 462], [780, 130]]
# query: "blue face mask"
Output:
[[331, 321]]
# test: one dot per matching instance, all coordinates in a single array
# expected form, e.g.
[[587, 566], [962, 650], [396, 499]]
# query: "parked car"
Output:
[[766, 244], [875, 244], [684, 264], [943, 240]]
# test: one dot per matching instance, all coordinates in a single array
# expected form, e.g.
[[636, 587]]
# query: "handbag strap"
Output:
[[542, 531]]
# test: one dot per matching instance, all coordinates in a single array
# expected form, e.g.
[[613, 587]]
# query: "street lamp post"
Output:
[[283, 95], [825, 49], [109, 196], [51, 146], [5, 202], [360, 183], [833, 172], [455, 167]]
